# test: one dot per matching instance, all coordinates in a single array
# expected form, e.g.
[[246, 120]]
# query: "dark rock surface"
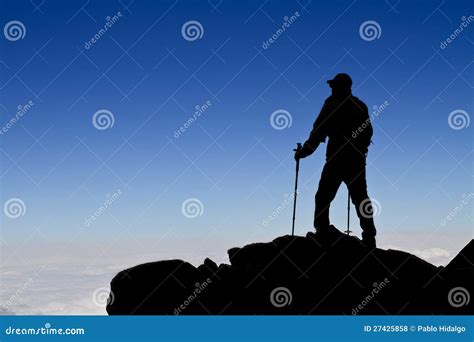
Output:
[[298, 275]]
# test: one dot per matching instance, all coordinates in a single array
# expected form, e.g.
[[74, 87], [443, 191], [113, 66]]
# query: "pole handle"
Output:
[[299, 146]]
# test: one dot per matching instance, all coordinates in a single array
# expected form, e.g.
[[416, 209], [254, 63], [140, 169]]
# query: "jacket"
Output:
[[346, 122]]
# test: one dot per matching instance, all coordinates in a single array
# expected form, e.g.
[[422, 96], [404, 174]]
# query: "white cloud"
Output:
[[432, 253], [436, 256]]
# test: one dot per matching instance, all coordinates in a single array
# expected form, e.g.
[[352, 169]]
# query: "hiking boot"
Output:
[[328, 234]]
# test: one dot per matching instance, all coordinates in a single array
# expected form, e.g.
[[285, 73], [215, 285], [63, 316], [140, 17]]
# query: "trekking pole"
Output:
[[298, 147], [348, 232]]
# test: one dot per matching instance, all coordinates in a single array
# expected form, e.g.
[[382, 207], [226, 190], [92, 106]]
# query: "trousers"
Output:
[[349, 169]]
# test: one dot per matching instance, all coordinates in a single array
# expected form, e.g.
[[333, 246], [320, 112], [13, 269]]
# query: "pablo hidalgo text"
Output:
[[442, 328]]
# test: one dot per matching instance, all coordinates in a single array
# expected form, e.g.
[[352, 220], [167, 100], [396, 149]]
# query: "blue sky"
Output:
[[231, 159]]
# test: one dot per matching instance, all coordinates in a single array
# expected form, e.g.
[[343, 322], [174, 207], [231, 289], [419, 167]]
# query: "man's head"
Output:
[[340, 84]]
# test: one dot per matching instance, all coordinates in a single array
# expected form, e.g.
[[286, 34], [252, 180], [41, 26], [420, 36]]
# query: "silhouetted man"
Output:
[[344, 119]]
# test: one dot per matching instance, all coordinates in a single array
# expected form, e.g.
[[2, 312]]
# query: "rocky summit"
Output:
[[295, 275]]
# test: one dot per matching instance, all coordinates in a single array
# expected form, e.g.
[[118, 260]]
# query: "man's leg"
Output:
[[356, 182], [330, 181]]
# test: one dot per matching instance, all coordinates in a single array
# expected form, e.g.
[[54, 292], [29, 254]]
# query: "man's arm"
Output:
[[318, 134], [365, 137]]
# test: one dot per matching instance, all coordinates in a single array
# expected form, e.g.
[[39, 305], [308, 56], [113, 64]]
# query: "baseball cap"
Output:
[[342, 79]]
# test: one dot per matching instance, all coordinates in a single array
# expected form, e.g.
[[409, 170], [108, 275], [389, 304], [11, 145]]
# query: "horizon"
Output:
[[146, 141]]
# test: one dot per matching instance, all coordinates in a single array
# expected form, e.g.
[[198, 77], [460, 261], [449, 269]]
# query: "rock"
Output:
[[166, 283], [208, 268], [452, 286], [332, 274], [464, 259]]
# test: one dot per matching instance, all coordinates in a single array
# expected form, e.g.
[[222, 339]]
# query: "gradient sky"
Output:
[[231, 158]]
